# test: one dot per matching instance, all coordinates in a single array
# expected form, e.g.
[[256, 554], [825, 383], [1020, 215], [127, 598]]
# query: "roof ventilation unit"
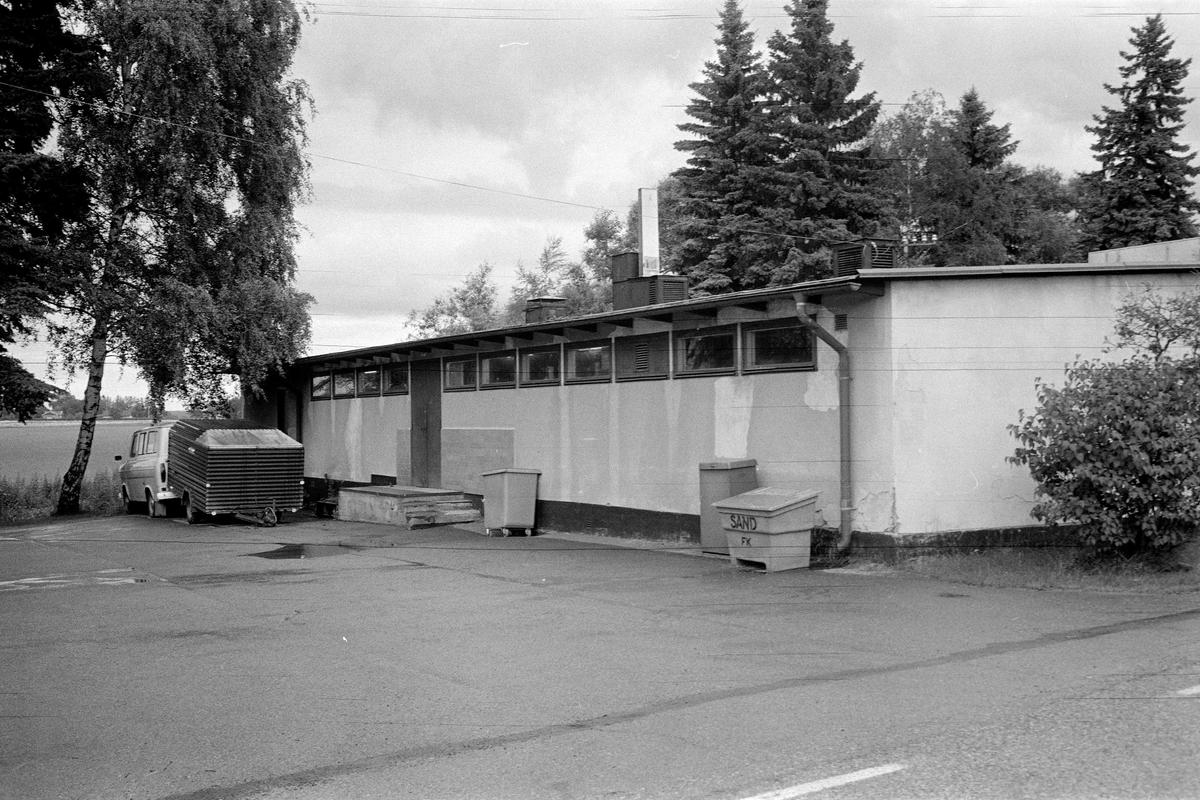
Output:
[[850, 258], [649, 291], [544, 309]]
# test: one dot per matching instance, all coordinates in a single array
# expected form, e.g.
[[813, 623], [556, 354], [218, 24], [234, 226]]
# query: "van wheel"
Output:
[[151, 506], [191, 514], [126, 503]]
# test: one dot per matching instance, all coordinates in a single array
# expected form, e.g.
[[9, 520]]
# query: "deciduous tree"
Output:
[[39, 194], [956, 191], [1116, 449], [470, 306], [544, 280], [195, 162]]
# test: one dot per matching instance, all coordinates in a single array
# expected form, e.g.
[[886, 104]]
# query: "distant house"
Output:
[[619, 409]]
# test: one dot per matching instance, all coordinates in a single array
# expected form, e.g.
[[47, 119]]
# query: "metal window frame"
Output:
[[358, 381], [480, 378], [679, 338], [383, 383], [523, 366], [342, 373], [604, 344], [328, 393], [473, 360], [749, 349]]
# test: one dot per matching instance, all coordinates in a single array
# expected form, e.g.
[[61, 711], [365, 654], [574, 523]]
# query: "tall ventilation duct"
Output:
[[637, 277]]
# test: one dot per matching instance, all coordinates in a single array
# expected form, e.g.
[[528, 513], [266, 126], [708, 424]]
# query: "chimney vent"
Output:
[[544, 309], [625, 267]]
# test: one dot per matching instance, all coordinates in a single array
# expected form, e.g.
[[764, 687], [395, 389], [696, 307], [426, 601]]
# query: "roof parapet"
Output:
[[1179, 251]]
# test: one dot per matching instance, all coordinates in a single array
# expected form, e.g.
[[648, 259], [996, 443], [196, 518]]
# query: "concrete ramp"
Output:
[[406, 506]]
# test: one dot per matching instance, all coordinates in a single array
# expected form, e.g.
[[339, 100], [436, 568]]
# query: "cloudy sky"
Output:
[[452, 132]]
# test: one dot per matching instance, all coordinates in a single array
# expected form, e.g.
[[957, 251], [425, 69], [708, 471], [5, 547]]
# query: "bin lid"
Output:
[[518, 470], [766, 500], [727, 463]]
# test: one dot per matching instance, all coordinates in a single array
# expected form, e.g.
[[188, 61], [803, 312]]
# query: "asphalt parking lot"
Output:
[[326, 659]]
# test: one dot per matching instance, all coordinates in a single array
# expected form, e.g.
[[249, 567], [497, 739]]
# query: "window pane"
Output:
[[780, 347], [589, 363], [343, 384], [368, 382], [152, 442], [321, 386], [460, 374], [706, 352], [498, 370], [395, 379], [540, 367]]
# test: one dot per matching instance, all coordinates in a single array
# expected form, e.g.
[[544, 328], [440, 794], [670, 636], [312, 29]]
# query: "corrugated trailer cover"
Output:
[[236, 466]]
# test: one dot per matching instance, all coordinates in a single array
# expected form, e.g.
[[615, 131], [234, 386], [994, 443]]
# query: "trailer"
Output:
[[237, 467]]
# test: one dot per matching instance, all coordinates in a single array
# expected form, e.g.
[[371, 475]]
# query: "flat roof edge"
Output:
[[909, 273], [825, 285]]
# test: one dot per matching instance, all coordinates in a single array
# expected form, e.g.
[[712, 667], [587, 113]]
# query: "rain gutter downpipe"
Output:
[[803, 311]]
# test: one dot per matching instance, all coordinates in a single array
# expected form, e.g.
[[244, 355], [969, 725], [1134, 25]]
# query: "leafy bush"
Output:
[[1117, 450]]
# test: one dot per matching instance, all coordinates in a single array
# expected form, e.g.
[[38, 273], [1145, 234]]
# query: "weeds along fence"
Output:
[[26, 498]]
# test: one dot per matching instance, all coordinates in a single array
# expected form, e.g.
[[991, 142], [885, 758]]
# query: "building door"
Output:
[[425, 395]]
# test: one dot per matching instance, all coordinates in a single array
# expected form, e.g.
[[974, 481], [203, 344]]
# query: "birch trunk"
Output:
[[72, 485]]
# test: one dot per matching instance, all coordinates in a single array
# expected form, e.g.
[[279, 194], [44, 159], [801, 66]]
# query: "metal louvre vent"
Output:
[[841, 322], [883, 256], [671, 291], [850, 257], [847, 260], [641, 357]]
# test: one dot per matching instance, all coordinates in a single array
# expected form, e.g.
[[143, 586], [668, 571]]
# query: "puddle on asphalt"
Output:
[[306, 551]]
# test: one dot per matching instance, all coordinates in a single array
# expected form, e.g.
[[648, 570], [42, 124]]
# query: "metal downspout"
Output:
[[847, 502]]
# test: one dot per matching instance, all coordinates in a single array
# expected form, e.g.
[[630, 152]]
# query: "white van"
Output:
[[144, 476]]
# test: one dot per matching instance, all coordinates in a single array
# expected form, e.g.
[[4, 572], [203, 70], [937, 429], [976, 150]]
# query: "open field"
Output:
[[45, 448]]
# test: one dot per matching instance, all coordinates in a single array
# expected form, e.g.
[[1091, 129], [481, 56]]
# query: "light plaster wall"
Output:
[[964, 356], [352, 439], [873, 468], [640, 444]]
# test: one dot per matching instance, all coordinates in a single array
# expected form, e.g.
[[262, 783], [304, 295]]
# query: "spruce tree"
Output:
[[822, 193], [718, 219], [1142, 192]]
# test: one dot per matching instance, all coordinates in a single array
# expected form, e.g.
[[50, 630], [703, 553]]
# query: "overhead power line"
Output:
[[416, 175]]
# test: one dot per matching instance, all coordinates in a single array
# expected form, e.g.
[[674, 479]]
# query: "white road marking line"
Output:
[[1191, 691], [827, 783], [103, 577]]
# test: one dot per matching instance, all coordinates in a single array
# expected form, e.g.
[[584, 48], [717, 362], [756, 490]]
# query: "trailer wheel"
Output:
[[269, 517], [191, 514]]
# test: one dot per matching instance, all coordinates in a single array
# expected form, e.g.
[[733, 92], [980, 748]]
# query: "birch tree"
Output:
[[195, 162]]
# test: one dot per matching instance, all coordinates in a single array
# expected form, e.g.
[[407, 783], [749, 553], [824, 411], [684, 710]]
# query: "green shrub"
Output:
[[1117, 450]]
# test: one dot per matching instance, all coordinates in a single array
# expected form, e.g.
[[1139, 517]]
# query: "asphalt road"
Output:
[[150, 659]]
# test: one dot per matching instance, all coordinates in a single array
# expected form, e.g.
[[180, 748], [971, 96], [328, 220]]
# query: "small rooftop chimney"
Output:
[[648, 231], [638, 279], [544, 309]]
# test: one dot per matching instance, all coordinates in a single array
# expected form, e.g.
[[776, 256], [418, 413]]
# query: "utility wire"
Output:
[[419, 176]]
